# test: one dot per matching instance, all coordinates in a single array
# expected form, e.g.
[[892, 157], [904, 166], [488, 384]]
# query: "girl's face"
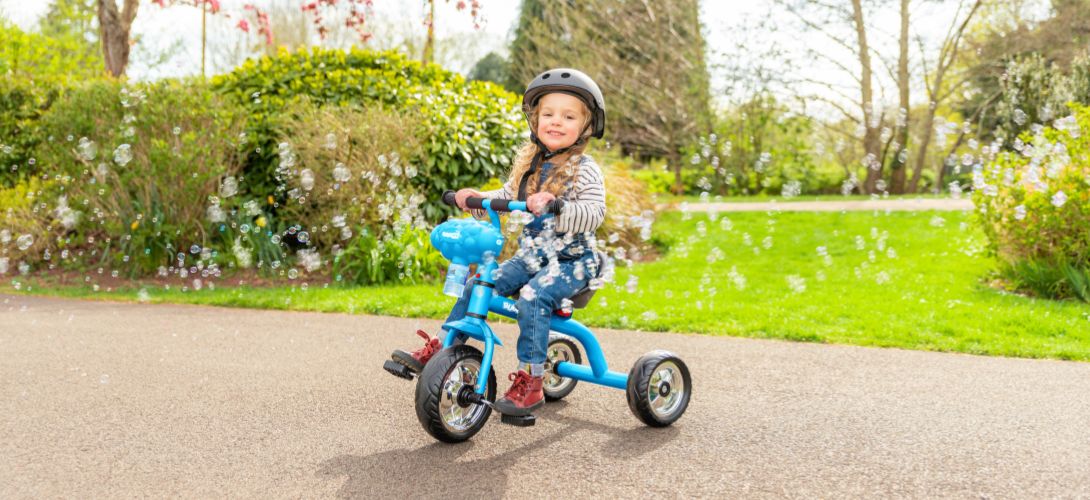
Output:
[[560, 119]]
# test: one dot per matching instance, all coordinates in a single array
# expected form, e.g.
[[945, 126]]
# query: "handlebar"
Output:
[[501, 205]]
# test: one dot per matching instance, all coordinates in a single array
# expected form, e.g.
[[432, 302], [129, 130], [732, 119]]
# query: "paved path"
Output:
[[102, 399], [834, 206]]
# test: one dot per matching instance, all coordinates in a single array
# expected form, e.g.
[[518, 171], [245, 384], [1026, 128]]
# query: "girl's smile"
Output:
[[560, 120]]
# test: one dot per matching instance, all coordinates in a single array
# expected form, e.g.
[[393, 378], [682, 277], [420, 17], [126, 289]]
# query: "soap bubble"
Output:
[[1059, 199], [306, 179], [341, 173], [87, 149], [229, 187], [1019, 116], [123, 154], [24, 241], [796, 283]]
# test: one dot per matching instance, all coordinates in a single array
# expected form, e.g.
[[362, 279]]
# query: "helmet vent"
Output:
[[565, 75], [545, 76]]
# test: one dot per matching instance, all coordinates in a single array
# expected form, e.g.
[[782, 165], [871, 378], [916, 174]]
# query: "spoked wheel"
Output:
[[560, 349], [443, 391], [659, 388]]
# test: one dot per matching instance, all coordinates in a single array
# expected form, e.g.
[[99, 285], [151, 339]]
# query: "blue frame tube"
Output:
[[584, 373], [598, 372]]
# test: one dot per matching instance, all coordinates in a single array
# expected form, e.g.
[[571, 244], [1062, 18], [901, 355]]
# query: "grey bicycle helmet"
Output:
[[568, 81]]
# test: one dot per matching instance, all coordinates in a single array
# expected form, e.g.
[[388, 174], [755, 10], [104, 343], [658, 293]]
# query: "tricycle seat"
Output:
[[583, 296]]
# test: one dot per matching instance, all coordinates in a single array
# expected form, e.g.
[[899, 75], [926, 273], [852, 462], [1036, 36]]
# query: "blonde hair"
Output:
[[560, 176]]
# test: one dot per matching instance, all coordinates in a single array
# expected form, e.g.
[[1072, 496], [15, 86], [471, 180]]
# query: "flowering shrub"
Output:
[[1034, 206]]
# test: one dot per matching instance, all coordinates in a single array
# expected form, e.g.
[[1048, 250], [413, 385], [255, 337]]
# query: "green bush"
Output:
[[1034, 204], [140, 169], [35, 69], [24, 224], [469, 131], [402, 255], [22, 103]]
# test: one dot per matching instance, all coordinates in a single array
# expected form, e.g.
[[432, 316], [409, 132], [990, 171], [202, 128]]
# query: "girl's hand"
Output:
[[537, 202], [462, 194]]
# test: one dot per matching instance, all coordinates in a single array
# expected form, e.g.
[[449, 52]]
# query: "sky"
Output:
[[726, 23]]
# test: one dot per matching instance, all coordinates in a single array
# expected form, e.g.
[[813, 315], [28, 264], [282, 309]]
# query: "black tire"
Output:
[[653, 392], [441, 416], [560, 349]]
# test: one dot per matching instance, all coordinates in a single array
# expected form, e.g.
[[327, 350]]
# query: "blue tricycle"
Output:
[[457, 387]]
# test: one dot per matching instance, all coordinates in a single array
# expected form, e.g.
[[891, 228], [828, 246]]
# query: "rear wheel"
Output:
[[441, 394], [560, 349], [659, 388]]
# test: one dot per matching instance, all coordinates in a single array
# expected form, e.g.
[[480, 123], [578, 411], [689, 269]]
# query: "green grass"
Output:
[[764, 198], [928, 294]]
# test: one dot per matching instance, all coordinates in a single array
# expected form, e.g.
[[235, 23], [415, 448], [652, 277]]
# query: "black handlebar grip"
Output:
[[501, 205], [497, 204], [448, 198], [475, 202]]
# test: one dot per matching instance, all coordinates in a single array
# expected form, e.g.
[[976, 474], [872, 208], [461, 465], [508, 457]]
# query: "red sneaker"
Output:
[[524, 396], [416, 360]]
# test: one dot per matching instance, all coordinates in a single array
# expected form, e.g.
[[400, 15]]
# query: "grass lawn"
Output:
[[896, 279], [764, 198]]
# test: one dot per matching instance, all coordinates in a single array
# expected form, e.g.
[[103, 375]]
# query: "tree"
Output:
[[899, 159], [1006, 35], [647, 57], [60, 52], [845, 26], [848, 29], [72, 20], [937, 92], [493, 68], [114, 27]]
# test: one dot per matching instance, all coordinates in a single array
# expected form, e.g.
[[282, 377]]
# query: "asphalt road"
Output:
[[102, 399]]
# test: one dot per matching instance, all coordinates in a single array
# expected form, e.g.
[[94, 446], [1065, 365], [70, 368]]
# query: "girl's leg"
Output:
[[535, 313]]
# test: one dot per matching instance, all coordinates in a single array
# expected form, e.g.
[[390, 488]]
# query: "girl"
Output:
[[564, 108]]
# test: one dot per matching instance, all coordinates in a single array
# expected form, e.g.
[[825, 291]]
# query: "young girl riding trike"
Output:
[[556, 269]]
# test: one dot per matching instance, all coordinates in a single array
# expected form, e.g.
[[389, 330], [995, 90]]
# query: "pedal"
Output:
[[523, 421], [398, 369]]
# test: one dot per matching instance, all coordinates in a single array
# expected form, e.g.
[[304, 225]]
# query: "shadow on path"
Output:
[[434, 470]]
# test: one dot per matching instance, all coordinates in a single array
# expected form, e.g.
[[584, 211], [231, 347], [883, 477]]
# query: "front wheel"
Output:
[[441, 391], [659, 388]]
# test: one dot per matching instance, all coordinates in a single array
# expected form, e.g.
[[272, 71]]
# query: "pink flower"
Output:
[[244, 26]]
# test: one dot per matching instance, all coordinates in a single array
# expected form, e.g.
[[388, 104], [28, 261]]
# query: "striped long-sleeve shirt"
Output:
[[584, 202]]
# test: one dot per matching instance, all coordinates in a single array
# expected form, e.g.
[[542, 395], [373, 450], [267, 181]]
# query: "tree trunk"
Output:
[[898, 164], [429, 42], [871, 140], [675, 160], [925, 142], [947, 57], [114, 29]]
